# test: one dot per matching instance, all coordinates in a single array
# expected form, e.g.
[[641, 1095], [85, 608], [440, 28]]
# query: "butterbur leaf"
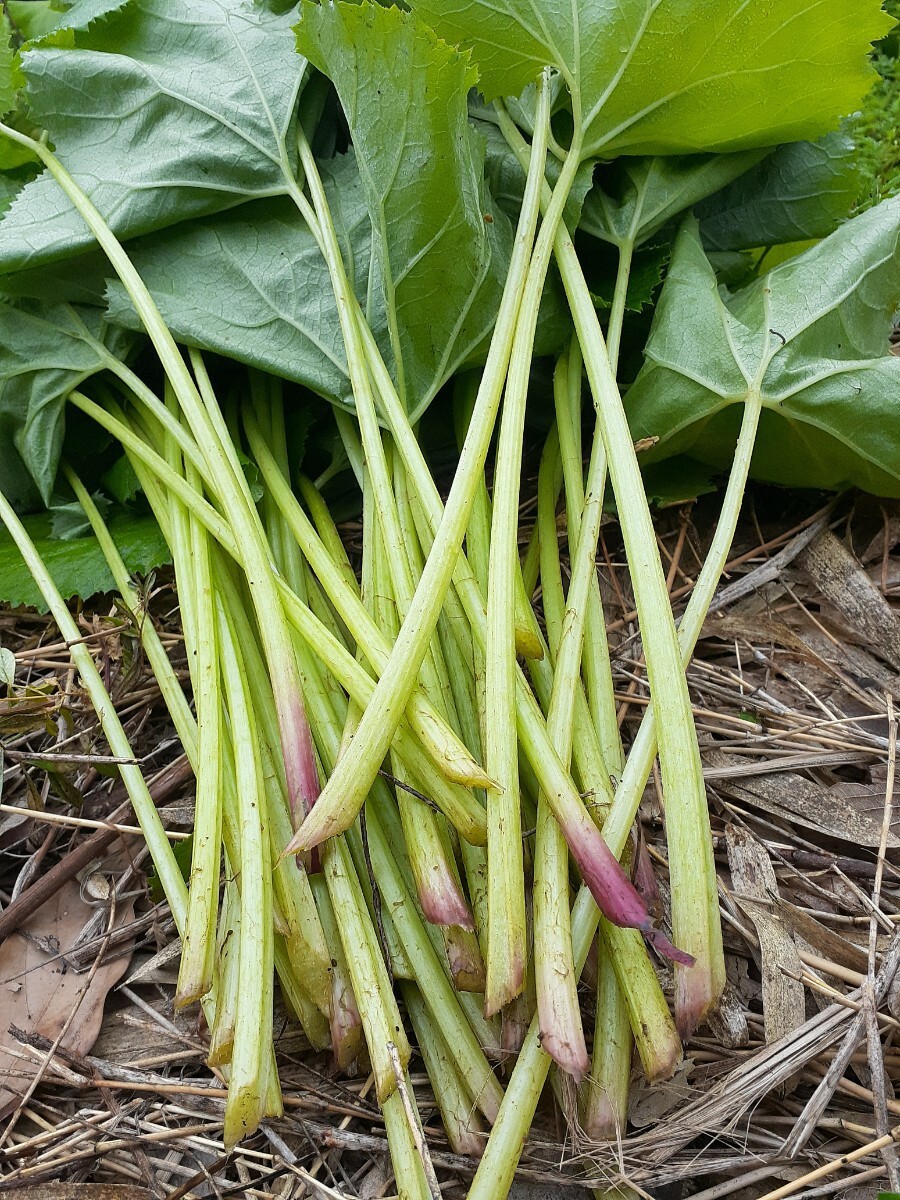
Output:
[[31, 19], [9, 185], [404, 93], [162, 111], [7, 667], [253, 285], [636, 197], [811, 335], [677, 481], [676, 76], [68, 519], [74, 18], [647, 268], [801, 191], [121, 481], [44, 355], [10, 79], [78, 566], [79, 280]]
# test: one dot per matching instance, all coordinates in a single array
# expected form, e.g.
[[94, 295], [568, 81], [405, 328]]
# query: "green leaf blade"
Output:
[[78, 566], [811, 335], [677, 76], [801, 191], [10, 77], [254, 287], [404, 94], [714, 75], [164, 111], [43, 356]]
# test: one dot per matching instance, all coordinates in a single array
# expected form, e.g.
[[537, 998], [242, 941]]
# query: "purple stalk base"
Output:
[[695, 996], [569, 1055], [464, 957], [665, 949], [345, 1022], [616, 896], [601, 1121], [299, 758], [645, 878], [300, 771], [440, 899]]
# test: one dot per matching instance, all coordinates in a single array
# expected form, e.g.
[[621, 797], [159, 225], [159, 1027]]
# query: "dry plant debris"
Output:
[[789, 1091]]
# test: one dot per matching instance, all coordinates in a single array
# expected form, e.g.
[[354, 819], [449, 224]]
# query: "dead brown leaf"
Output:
[[40, 991], [755, 890], [851, 812], [649, 1103], [82, 1191], [821, 940], [844, 583]]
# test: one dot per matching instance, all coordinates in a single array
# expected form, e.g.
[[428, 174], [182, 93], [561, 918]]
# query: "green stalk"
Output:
[[605, 1111], [556, 982], [595, 658], [345, 1022], [606, 1102], [449, 753], [198, 947], [704, 910], [203, 751], [409, 1173], [253, 1029], [697, 929], [304, 937], [506, 880], [295, 738], [697, 932], [371, 984], [652, 1027], [221, 1040], [353, 777], [148, 818], [463, 1126]]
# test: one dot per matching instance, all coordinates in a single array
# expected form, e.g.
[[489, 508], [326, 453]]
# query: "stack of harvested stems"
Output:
[[415, 790]]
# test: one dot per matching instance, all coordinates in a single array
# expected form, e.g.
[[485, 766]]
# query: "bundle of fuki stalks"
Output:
[[238, 235]]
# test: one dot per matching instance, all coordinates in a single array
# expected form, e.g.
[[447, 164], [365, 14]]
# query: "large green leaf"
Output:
[[57, 27], [801, 191], [811, 335], [32, 18], [166, 110], [77, 565], [254, 286], [676, 76], [44, 354], [635, 197], [9, 69], [404, 93]]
